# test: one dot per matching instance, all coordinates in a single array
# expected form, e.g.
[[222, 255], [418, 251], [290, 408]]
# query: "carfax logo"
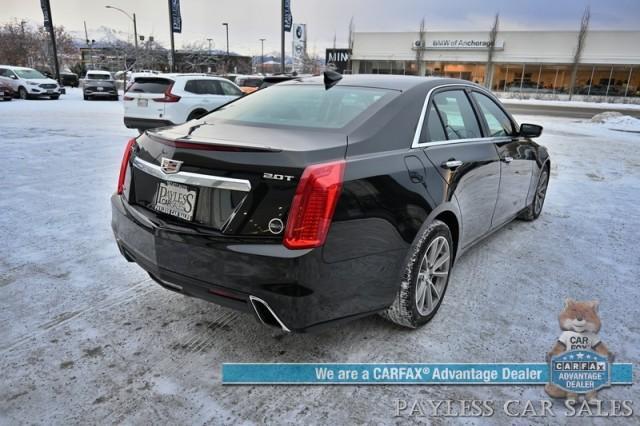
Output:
[[580, 371], [579, 361]]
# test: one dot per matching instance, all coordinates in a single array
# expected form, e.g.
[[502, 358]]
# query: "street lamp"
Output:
[[262, 56], [135, 27], [226, 25], [209, 40]]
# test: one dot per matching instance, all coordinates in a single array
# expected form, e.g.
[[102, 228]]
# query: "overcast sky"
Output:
[[250, 20]]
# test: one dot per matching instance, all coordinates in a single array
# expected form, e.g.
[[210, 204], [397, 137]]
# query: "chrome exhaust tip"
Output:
[[265, 313]]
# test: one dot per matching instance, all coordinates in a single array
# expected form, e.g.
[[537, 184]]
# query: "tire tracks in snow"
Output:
[[138, 289]]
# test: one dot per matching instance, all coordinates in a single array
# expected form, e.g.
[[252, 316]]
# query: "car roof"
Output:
[[98, 72], [384, 81], [190, 75], [12, 67]]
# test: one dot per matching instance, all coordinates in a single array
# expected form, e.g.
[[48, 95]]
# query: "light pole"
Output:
[[135, 26], [226, 25], [209, 40], [262, 56]]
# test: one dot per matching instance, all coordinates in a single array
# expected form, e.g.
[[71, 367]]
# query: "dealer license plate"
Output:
[[100, 89], [176, 200], [143, 102], [50, 91]]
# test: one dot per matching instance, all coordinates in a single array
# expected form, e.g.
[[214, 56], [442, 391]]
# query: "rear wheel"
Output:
[[22, 93], [196, 114], [55, 97], [425, 278], [535, 208], [86, 98]]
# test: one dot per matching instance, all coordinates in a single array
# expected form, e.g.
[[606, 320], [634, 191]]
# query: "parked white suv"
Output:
[[29, 83], [168, 99]]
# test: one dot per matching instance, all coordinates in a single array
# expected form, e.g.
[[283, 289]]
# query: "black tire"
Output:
[[533, 210], [196, 114], [115, 98], [55, 97], [86, 98], [22, 93], [404, 309]]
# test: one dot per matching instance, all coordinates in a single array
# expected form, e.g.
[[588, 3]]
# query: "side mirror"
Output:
[[530, 130], [14, 77]]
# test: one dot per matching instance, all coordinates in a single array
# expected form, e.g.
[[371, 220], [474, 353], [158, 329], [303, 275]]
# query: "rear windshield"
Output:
[[250, 82], [303, 106], [98, 76], [150, 85]]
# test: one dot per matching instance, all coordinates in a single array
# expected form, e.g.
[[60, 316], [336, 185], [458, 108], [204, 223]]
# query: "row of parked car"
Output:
[[167, 99]]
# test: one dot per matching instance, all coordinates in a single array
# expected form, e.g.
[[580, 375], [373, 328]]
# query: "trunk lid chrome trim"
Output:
[[195, 179]]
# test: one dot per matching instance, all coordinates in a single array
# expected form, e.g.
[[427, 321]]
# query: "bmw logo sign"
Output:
[[276, 226]]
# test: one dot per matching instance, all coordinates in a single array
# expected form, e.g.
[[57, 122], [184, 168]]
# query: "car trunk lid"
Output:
[[243, 178]]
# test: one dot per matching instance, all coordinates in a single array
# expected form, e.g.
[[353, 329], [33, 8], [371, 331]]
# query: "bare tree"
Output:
[[493, 34], [350, 41], [25, 45], [582, 35], [420, 47]]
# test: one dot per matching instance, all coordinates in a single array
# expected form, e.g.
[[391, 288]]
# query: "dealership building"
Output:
[[536, 63]]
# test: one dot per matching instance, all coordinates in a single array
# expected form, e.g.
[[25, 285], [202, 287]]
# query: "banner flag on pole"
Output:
[[176, 19], [288, 19], [44, 4]]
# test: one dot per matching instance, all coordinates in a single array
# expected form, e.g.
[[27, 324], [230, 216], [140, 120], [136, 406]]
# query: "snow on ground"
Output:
[[617, 121], [86, 337], [572, 104]]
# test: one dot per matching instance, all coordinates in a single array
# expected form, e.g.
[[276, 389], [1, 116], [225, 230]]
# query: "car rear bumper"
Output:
[[145, 123], [300, 287]]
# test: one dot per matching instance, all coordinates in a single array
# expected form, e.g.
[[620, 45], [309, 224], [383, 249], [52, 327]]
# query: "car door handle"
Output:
[[507, 159], [451, 164]]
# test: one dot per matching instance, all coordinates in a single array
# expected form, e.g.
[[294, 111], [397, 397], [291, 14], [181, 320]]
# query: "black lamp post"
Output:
[[226, 25], [262, 55]]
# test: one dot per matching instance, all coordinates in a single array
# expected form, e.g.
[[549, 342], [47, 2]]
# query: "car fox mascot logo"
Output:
[[580, 325]]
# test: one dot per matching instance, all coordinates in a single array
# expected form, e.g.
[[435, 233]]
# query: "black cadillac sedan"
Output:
[[325, 199]]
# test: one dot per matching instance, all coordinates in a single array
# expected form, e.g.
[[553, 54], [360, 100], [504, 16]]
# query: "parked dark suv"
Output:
[[320, 200]]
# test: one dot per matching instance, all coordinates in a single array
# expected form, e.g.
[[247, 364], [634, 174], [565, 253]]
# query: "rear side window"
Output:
[[150, 85], [229, 89], [432, 129], [303, 106], [497, 121], [457, 115], [203, 87]]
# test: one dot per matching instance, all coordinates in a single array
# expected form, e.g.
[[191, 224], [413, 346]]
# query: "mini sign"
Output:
[[338, 59]]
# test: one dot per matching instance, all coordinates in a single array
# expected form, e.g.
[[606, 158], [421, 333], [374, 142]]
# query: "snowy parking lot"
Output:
[[88, 338]]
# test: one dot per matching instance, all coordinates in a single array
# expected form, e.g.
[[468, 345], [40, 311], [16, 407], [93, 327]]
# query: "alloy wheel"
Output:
[[432, 276], [541, 191]]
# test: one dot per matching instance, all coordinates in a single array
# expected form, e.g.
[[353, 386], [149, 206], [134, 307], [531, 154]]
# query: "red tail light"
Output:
[[168, 96], [313, 205], [125, 163]]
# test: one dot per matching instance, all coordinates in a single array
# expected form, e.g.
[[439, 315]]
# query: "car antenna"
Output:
[[331, 78]]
